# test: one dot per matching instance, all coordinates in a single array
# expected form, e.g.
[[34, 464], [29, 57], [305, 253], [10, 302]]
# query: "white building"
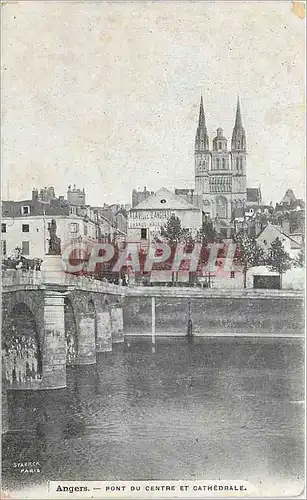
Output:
[[271, 232], [146, 219], [24, 224]]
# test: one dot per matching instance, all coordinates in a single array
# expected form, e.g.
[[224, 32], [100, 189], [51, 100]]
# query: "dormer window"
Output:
[[25, 210]]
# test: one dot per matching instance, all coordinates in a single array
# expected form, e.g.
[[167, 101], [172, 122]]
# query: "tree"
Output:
[[299, 261], [248, 253], [174, 233], [207, 233], [278, 259]]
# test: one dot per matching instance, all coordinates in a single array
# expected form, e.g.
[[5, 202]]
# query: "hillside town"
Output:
[[220, 208]]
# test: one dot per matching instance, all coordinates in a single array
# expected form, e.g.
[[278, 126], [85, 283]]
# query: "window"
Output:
[[85, 230], [224, 163], [217, 163], [237, 163], [220, 145], [241, 164], [265, 242], [232, 274], [74, 227], [25, 210], [3, 248], [143, 233], [3, 228], [25, 246], [25, 228]]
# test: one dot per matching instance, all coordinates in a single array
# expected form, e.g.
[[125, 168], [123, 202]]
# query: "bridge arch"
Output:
[[22, 352]]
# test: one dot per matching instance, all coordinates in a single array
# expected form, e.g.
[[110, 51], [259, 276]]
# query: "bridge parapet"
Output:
[[17, 277], [13, 277]]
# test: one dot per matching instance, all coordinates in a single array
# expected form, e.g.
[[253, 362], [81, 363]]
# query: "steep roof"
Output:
[[289, 197], [164, 199], [54, 207], [295, 244]]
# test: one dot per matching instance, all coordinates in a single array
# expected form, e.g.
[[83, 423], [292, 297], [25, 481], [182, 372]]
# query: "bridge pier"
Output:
[[117, 323], [86, 339], [54, 351], [104, 330]]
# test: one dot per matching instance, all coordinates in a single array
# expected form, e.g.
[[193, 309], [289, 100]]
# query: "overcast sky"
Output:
[[106, 95]]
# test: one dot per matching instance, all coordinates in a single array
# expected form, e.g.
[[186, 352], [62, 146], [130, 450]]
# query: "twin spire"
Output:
[[238, 123], [238, 141], [201, 121], [202, 139]]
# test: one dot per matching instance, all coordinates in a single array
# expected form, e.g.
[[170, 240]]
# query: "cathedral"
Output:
[[220, 173]]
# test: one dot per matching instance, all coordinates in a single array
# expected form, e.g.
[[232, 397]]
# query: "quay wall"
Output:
[[215, 314]]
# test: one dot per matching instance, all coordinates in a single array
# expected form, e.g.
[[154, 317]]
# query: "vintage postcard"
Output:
[[153, 249]]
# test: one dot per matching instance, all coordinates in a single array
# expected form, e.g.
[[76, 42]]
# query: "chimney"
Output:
[[34, 195]]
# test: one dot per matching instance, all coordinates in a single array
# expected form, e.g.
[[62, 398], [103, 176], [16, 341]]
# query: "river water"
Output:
[[208, 408]]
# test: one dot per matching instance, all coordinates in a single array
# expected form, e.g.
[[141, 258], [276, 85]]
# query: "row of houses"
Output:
[[263, 222], [25, 223]]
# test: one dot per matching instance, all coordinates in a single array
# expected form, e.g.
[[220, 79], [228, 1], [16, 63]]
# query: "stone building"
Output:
[[24, 224], [146, 219], [220, 173], [139, 196], [75, 196], [271, 232]]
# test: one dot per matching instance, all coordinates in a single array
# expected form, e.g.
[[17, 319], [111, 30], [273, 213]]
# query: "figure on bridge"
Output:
[[54, 240]]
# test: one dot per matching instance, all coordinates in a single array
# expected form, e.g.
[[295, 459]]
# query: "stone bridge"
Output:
[[52, 320], [49, 325]]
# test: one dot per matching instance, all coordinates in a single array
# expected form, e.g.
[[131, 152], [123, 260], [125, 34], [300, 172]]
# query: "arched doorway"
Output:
[[22, 357], [221, 207], [71, 337]]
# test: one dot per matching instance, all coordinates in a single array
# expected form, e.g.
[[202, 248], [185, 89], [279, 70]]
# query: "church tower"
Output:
[[202, 153], [238, 161]]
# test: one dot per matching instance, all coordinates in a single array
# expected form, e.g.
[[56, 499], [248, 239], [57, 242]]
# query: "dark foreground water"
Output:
[[212, 408]]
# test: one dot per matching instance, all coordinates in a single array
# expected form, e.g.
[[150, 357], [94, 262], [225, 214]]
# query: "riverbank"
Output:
[[253, 314]]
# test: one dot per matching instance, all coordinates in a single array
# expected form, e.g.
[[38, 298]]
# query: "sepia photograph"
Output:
[[153, 249]]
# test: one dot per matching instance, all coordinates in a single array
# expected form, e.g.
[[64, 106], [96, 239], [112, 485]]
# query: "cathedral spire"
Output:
[[201, 139], [238, 141], [201, 120], [238, 123]]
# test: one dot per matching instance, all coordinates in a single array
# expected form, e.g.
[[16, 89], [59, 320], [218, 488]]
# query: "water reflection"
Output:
[[198, 408]]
